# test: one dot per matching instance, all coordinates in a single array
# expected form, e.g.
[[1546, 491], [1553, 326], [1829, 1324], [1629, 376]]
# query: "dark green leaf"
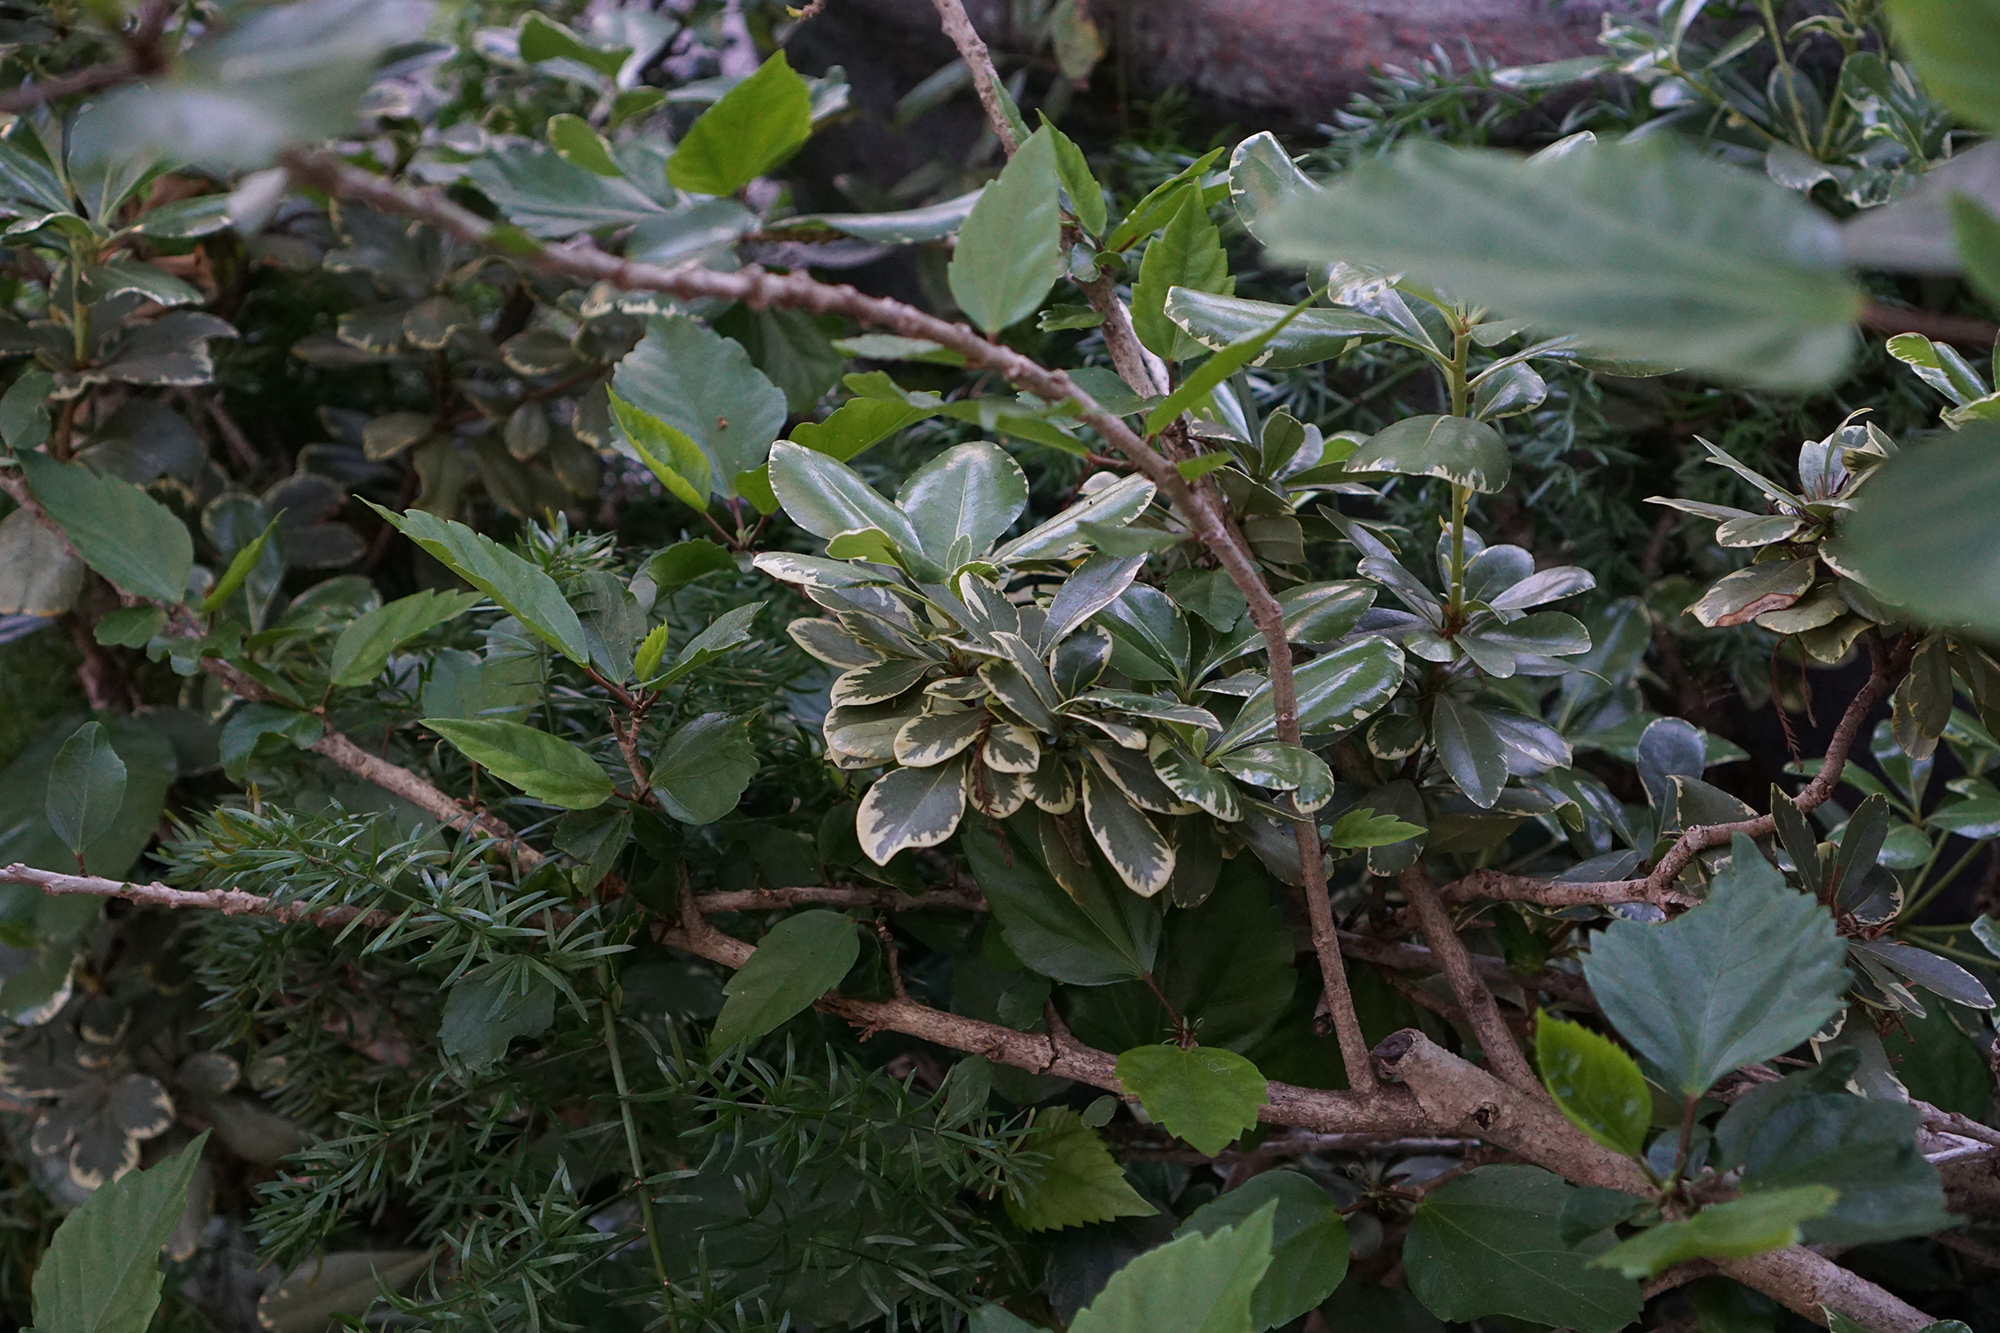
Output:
[[756, 125], [1195, 1283], [970, 493], [701, 772], [1470, 749], [1195, 390], [826, 498], [119, 530], [1747, 975], [1753, 1224], [1594, 1083], [546, 767], [1336, 691], [1924, 510], [1009, 249], [1488, 1243], [1977, 232], [482, 1015], [249, 726], [802, 958], [1092, 937], [1955, 45], [1079, 1183], [1464, 452], [524, 590], [101, 1272], [86, 788], [1312, 336], [1308, 1241], [1865, 1149]]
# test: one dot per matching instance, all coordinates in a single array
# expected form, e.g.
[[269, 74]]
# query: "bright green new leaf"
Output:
[[101, 1272], [755, 126], [1077, 1183], [800, 959], [546, 767], [1757, 1222], [1152, 213], [1203, 1094], [363, 648], [729, 630], [542, 38], [1187, 254], [682, 563], [525, 591], [1647, 251], [1748, 975], [700, 774], [1955, 45], [1362, 827], [1086, 196], [1490, 1243], [240, 567], [119, 530], [704, 386], [572, 137], [86, 788], [1462, 451], [856, 424], [1308, 1241], [1195, 1283], [1594, 1083], [1010, 248], [666, 451]]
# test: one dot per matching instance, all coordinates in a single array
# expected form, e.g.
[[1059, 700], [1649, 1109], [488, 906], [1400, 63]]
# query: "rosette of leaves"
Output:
[[95, 1108], [1080, 688]]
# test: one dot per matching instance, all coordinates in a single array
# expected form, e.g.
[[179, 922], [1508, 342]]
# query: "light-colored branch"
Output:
[[1503, 1055], [985, 78], [230, 902], [1460, 1097]]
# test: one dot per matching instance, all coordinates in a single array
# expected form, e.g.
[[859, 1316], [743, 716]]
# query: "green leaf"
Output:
[[1187, 254], [682, 563], [1469, 747], [729, 631], [1336, 691], [1086, 196], [364, 647], [1079, 1183], [1646, 251], [1136, 849], [1091, 936], [86, 788], [251, 724], [1462, 451], [1927, 509], [1009, 249], [856, 424], [542, 38], [911, 807], [525, 591], [756, 125], [1204, 1094], [119, 530], [1197, 387], [1308, 1241], [1863, 1148], [970, 493], [1313, 335], [240, 567], [1362, 827], [700, 774], [1262, 177], [1594, 1083], [483, 1014], [826, 498], [1977, 234], [1489, 1243], [128, 626], [101, 1272], [704, 386], [1955, 46], [1748, 975], [1153, 212], [1195, 1283], [546, 767], [800, 959], [572, 137], [667, 452], [1757, 1222]]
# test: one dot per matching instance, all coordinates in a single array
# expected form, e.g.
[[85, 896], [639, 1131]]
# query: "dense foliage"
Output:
[[1389, 731]]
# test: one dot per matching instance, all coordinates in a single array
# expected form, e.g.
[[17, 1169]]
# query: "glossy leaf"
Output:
[[911, 807], [1203, 1094], [1647, 251], [797, 961], [1470, 749], [971, 493], [1594, 1083], [1336, 691], [546, 767], [753, 127], [666, 451], [1749, 974], [119, 530], [1262, 177], [1462, 451], [1009, 249], [827, 498], [1312, 336]]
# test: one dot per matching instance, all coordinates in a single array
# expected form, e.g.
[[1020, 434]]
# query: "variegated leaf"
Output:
[[1011, 749], [1011, 688], [935, 737], [1124, 737], [1134, 774], [1141, 856], [867, 733], [911, 807], [1149, 705], [1052, 786], [1283, 768], [1194, 781], [827, 641], [878, 682], [994, 793]]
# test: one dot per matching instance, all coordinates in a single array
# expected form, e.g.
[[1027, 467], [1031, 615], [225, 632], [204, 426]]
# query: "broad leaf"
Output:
[[753, 127], [965, 498], [483, 1014], [684, 562], [1594, 1083], [1313, 335], [1195, 1283], [1955, 45], [1189, 255], [1336, 691], [1924, 510], [911, 807], [1080, 1182], [856, 424], [1757, 1222], [1203, 1094], [101, 1272], [1470, 749], [119, 530], [363, 648], [546, 767], [524, 590], [1645, 251], [800, 959], [1137, 851], [1262, 177], [1462, 451], [1308, 1241], [728, 631], [826, 498], [700, 774], [1865, 1149], [1093, 936], [1489, 1243], [667, 452], [1747, 975], [86, 788], [703, 385], [1009, 249]]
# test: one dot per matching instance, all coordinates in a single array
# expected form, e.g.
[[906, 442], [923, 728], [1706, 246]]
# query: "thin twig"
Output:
[[1481, 1010], [985, 79], [230, 902]]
